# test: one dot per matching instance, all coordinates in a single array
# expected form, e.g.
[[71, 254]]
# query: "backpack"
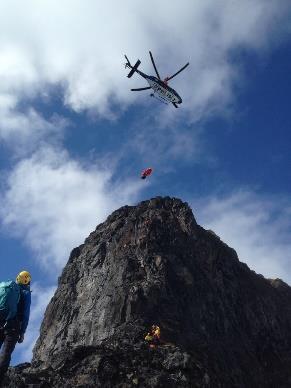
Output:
[[9, 298]]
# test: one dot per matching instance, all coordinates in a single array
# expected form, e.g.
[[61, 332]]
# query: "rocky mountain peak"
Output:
[[222, 325], [119, 275]]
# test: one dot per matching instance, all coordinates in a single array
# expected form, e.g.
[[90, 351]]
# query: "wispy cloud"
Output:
[[54, 202], [81, 48], [257, 228], [26, 131], [162, 146]]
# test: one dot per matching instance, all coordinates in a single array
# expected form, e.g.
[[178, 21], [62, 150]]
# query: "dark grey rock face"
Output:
[[222, 324]]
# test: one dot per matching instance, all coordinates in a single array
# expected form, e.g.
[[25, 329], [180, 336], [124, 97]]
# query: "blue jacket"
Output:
[[23, 308]]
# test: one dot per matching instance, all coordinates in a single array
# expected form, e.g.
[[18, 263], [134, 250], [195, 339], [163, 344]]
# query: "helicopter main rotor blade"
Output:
[[153, 62], [138, 89], [174, 75]]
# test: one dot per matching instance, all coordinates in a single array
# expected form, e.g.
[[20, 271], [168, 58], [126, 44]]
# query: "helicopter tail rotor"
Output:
[[133, 68], [127, 64]]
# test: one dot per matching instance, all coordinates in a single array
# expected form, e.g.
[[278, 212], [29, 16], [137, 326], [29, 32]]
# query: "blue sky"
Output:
[[73, 138]]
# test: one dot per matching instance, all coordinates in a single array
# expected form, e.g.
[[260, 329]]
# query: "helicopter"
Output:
[[159, 86]]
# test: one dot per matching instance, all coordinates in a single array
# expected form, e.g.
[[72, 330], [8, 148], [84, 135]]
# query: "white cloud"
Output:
[[81, 45], [26, 131], [161, 146], [257, 228], [53, 202], [40, 298]]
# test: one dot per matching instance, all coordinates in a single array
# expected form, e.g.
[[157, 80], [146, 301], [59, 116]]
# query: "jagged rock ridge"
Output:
[[223, 325]]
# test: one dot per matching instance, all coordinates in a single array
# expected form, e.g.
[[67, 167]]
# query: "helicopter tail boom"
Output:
[[133, 69]]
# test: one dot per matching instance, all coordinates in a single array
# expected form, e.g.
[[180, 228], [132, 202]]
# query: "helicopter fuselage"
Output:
[[161, 88]]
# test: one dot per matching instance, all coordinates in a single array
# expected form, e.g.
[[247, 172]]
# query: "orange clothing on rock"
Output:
[[153, 337]]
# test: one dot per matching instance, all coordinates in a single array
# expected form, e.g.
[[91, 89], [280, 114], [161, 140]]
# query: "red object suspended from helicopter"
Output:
[[146, 172]]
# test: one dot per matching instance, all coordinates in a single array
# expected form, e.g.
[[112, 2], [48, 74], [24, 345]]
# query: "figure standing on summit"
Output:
[[15, 299]]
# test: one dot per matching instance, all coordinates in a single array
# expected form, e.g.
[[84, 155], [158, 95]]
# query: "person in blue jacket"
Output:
[[13, 323]]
